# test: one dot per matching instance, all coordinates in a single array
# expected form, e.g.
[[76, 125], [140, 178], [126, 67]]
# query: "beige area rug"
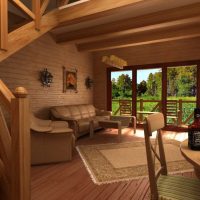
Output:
[[107, 163]]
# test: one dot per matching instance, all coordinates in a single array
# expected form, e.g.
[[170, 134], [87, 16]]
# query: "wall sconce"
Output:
[[88, 82], [46, 78]]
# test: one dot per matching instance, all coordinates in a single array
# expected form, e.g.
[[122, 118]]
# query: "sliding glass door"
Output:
[[181, 94], [121, 92], [149, 92], [168, 88]]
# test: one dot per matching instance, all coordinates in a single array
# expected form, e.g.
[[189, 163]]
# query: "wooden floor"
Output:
[[71, 181]]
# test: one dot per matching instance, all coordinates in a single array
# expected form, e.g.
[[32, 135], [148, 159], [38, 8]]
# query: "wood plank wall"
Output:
[[23, 69], [183, 50]]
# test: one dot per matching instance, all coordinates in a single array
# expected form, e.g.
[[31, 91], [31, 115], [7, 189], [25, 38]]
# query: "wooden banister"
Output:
[[5, 95], [4, 182], [5, 143], [20, 134]]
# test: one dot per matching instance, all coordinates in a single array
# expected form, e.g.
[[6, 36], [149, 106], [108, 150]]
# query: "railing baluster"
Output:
[[3, 24], [180, 113], [141, 109], [36, 10]]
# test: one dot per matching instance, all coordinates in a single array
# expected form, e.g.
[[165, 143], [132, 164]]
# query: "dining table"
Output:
[[192, 156]]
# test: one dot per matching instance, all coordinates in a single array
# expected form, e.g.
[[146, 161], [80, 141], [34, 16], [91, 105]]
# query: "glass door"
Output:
[[149, 92], [121, 92], [181, 95]]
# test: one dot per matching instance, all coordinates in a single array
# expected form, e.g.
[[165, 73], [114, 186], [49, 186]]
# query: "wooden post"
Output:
[[180, 112], [3, 24], [20, 134], [36, 9], [141, 109]]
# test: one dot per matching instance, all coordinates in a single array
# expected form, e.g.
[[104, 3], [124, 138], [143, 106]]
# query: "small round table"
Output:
[[191, 156]]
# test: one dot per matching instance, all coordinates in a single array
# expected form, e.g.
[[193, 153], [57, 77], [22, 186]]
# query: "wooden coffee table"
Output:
[[116, 122]]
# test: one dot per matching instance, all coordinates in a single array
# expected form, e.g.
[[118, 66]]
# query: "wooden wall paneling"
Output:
[[23, 68], [3, 25]]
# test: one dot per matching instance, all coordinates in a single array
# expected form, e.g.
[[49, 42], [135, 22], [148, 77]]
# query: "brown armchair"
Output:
[[51, 141]]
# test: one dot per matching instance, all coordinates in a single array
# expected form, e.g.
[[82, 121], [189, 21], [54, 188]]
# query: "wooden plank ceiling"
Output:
[[99, 25]]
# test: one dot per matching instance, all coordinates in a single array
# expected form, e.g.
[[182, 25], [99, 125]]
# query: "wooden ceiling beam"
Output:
[[147, 37], [121, 26], [85, 36], [91, 10]]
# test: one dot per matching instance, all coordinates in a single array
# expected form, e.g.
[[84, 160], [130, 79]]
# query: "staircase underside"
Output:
[[95, 25]]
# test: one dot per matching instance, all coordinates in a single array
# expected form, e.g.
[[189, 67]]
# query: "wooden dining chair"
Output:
[[163, 186], [125, 107]]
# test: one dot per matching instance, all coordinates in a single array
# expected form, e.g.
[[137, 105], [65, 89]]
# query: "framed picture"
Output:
[[69, 80]]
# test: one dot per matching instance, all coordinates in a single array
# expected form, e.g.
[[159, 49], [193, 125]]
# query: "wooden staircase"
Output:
[[14, 145], [22, 36]]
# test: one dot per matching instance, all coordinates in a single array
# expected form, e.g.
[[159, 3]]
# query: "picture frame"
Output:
[[69, 80]]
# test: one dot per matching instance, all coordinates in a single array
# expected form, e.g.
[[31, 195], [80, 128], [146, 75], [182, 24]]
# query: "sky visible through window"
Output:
[[141, 74]]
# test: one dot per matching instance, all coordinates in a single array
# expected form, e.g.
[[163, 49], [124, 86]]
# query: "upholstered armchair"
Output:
[[51, 141]]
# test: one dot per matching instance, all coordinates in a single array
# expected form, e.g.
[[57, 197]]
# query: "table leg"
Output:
[[119, 132], [91, 128]]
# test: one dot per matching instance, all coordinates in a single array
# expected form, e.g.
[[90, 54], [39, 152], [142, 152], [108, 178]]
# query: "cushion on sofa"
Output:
[[84, 111], [75, 112], [61, 111], [91, 110]]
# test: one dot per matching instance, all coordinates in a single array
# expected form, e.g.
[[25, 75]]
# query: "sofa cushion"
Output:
[[62, 111], [75, 112], [91, 110], [84, 111]]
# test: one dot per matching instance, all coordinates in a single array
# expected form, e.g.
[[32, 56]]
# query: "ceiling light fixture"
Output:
[[114, 61]]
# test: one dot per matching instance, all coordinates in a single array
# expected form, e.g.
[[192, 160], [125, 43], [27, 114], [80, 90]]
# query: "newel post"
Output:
[[20, 134]]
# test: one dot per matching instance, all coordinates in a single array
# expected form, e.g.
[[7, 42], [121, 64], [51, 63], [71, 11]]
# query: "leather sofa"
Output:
[[81, 118]]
